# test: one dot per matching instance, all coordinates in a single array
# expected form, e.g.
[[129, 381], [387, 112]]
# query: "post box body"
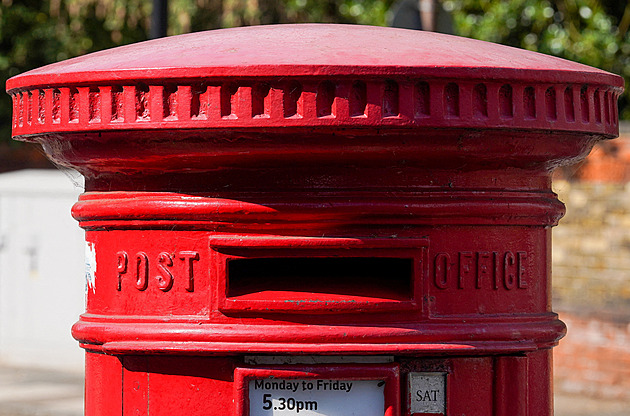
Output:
[[317, 219]]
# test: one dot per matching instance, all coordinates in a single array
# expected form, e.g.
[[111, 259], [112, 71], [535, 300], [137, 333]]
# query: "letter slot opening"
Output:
[[327, 278]]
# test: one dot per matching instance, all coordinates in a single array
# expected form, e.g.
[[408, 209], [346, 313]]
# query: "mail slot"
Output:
[[317, 219], [271, 274]]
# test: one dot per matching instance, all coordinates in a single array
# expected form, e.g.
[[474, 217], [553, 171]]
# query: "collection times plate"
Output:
[[316, 397]]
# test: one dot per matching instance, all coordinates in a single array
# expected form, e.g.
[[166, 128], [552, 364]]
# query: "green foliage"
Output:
[[587, 31], [34, 33], [195, 15]]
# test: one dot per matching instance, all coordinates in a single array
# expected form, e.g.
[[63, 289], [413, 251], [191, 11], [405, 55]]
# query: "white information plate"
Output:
[[316, 397], [427, 393]]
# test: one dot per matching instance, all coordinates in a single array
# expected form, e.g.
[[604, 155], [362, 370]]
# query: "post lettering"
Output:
[[121, 267], [165, 278], [483, 268], [494, 270], [521, 258], [497, 272], [509, 275], [189, 257], [167, 270], [142, 271], [441, 269], [465, 267], [427, 395]]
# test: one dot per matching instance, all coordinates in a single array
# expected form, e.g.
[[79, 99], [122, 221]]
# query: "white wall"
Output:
[[42, 284]]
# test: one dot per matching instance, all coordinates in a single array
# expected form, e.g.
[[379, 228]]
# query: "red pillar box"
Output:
[[317, 219]]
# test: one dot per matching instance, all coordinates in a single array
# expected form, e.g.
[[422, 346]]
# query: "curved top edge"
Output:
[[316, 50]]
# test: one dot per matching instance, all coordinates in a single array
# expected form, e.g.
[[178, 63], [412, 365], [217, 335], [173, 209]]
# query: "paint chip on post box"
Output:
[[90, 267]]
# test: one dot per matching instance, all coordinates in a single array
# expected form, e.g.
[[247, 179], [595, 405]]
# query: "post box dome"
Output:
[[313, 75]]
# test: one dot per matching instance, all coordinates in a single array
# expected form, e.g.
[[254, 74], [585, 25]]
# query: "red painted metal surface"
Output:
[[316, 192]]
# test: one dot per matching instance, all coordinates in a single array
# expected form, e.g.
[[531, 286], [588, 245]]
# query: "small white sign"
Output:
[[427, 393], [316, 397]]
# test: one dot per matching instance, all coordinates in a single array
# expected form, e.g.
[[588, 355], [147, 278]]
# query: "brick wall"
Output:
[[594, 358], [591, 247], [591, 273]]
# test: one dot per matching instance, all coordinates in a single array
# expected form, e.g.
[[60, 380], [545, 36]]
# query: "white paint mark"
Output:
[[90, 267]]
